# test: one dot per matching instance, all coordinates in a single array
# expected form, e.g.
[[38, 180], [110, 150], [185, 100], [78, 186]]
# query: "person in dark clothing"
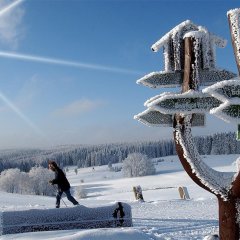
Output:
[[62, 183]]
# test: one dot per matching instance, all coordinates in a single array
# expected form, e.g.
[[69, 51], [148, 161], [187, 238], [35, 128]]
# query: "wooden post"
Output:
[[188, 62], [183, 192], [138, 193]]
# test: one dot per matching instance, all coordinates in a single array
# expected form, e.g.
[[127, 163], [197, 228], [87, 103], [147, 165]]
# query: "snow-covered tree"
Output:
[[24, 184], [137, 164], [9, 180], [39, 178]]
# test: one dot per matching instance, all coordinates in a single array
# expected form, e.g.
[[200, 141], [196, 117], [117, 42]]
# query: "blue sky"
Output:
[[71, 74]]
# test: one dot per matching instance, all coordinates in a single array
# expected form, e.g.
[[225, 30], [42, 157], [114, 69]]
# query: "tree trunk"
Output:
[[229, 219]]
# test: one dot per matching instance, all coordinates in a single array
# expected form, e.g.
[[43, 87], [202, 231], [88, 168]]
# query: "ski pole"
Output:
[[61, 196]]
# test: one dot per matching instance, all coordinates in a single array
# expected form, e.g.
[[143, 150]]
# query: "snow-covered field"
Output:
[[163, 215]]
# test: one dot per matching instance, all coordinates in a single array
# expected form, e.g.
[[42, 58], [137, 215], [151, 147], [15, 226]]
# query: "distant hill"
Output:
[[102, 154]]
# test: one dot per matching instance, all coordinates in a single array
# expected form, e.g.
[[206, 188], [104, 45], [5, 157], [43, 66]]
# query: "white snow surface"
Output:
[[163, 215]]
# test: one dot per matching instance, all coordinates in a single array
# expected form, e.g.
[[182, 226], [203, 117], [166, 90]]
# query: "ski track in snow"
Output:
[[184, 225]]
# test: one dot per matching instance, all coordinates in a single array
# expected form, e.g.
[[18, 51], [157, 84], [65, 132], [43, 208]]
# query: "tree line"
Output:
[[103, 154]]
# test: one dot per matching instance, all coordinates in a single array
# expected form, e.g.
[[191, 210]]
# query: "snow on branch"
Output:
[[218, 182]]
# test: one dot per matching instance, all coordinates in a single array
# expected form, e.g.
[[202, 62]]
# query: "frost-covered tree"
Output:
[[9, 180], [137, 165], [39, 178], [24, 184], [14, 181]]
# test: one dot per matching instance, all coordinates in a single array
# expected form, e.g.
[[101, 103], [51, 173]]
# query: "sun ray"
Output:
[[10, 6], [20, 114]]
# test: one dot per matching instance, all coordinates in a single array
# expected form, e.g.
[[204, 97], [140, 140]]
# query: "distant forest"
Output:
[[96, 155]]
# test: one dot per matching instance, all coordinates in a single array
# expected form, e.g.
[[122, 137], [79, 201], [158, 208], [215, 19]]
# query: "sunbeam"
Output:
[[10, 6], [66, 63], [20, 114]]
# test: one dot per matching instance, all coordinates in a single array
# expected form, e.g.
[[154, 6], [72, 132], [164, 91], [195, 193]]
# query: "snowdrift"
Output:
[[81, 217]]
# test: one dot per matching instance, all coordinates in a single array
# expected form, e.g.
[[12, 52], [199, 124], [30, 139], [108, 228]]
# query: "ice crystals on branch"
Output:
[[218, 182]]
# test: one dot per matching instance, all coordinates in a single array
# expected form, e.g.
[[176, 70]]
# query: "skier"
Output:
[[62, 182]]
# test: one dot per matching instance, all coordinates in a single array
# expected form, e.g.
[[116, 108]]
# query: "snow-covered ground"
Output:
[[163, 215]]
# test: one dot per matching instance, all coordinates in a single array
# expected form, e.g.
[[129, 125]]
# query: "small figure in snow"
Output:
[[62, 182]]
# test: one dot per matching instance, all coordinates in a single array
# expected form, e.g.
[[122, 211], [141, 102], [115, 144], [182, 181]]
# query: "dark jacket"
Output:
[[61, 180]]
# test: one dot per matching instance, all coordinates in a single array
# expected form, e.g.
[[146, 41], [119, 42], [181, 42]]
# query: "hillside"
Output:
[[161, 216]]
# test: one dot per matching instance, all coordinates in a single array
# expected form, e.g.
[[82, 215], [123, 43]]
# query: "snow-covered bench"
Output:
[[117, 215]]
